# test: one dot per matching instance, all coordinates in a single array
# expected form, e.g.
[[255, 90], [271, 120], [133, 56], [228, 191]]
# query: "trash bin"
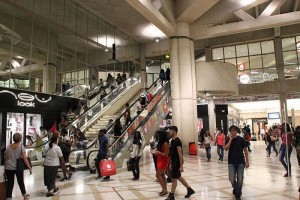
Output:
[[193, 148]]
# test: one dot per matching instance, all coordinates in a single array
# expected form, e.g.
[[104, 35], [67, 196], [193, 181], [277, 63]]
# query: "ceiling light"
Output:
[[167, 56], [156, 40], [206, 94], [106, 50], [152, 31], [214, 97], [19, 57]]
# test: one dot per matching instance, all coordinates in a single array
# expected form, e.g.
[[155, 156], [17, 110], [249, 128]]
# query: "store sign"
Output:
[[244, 78], [25, 99]]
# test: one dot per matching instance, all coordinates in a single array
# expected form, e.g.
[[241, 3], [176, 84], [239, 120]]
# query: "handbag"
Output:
[[3, 186], [108, 168], [21, 166], [130, 165]]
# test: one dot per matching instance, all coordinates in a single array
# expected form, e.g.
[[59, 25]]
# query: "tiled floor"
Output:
[[263, 181]]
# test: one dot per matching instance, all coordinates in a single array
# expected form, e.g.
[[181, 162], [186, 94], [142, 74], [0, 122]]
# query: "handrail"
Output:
[[138, 127], [101, 101]]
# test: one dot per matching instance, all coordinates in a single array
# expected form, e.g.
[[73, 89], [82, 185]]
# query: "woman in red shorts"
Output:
[[162, 153]]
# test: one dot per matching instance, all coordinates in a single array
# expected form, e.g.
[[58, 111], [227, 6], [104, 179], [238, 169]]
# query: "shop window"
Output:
[[229, 52], [242, 50], [255, 62], [267, 47], [218, 54], [269, 60], [288, 44], [243, 63], [232, 61], [290, 58], [254, 48]]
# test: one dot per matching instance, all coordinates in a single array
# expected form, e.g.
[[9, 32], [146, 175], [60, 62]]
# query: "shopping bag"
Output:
[[108, 168], [3, 189], [129, 165]]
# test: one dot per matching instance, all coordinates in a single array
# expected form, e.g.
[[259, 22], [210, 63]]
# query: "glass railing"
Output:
[[87, 118], [144, 122], [78, 157], [75, 91]]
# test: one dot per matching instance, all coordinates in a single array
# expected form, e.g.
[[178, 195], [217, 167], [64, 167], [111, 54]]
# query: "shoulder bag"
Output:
[[21, 166], [3, 186]]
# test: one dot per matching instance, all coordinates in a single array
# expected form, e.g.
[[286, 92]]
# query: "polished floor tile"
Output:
[[263, 181]]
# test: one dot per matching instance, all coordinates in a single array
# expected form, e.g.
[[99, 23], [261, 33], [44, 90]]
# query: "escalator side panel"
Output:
[[148, 129]]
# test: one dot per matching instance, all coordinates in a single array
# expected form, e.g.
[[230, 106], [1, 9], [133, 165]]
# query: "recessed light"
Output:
[[156, 40], [106, 50]]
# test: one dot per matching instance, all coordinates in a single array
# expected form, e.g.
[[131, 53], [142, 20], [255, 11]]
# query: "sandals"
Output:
[[26, 196], [163, 193]]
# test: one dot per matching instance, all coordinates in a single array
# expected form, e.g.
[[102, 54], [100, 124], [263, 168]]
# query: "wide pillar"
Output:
[[183, 85], [283, 107], [49, 78], [212, 116]]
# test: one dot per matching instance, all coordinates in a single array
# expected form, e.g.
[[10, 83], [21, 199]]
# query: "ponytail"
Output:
[[52, 141]]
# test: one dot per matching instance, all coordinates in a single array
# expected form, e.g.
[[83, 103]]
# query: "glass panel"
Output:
[[254, 48], [70, 15], [229, 52], [257, 76], [291, 71], [267, 47], [290, 58], [288, 44], [243, 62], [270, 74], [269, 60], [255, 62], [241, 50], [233, 61], [14, 124], [244, 77], [218, 54], [150, 79]]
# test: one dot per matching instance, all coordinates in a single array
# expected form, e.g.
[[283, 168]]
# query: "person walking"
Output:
[[136, 155], [103, 151], [162, 76], [168, 74], [176, 164], [207, 144], [220, 142], [297, 143], [268, 142], [238, 151], [52, 161], [162, 153], [286, 148], [12, 153]]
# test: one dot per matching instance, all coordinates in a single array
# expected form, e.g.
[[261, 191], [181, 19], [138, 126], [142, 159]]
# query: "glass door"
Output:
[[14, 124]]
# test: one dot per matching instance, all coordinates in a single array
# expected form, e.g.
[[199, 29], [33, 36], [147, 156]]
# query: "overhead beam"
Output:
[[190, 10], [296, 3], [201, 31], [168, 7], [23, 70], [272, 8], [243, 15], [145, 8]]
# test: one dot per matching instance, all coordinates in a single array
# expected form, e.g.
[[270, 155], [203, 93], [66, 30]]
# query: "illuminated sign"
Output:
[[244, 78], [26, 100], [242, 67]]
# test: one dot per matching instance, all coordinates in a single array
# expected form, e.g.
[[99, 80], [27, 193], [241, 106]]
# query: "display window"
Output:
[[33, 123], [14, 124]]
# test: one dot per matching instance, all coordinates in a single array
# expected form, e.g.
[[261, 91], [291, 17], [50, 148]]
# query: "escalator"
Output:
[[108, 106], [76, 91], [146, 122]]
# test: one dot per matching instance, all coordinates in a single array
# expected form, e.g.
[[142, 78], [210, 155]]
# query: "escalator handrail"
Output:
[[97, 104], [70, 89], [132, 104], [34, 147], [126, 129], [140, 125]]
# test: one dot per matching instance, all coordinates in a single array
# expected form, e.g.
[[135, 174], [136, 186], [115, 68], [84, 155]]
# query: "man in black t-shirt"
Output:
[[176, 164], [237, 147]]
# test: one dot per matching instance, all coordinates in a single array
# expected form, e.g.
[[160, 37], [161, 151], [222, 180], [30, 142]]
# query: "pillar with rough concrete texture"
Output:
[[183, 85]]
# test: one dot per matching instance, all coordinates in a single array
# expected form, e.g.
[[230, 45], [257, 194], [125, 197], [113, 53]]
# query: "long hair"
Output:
[[52, 141], [287, 127], [137, 137], [163, 138]]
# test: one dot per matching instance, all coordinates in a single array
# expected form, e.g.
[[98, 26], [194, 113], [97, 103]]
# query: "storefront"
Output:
[[25, 112]]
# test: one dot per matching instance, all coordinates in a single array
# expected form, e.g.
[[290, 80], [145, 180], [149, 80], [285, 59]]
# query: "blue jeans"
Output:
[[285, 161], [236, 176], [208, 153], [220, 150]]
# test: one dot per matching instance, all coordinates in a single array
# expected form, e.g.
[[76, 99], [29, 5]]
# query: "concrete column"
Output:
[[143, 74], [93, 77], [279, 58], [32, 84], [49, 78], [283, 107], [183, 84], [211, 116], [208, 54]]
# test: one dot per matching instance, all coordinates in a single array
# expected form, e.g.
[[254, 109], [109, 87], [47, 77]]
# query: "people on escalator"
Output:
[[136, 155], [113, 85], [168, 74], [103, 151], [109, 78], [63, 122], [80, 142], [51, 164], [70, 115], [101, 83], [117, 129], [72, 130], [162, 76], [127, 115], [53, 128], [138, 106], [119, 79], [65, 146], [102, 92], [143, 101], [124, 76]]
